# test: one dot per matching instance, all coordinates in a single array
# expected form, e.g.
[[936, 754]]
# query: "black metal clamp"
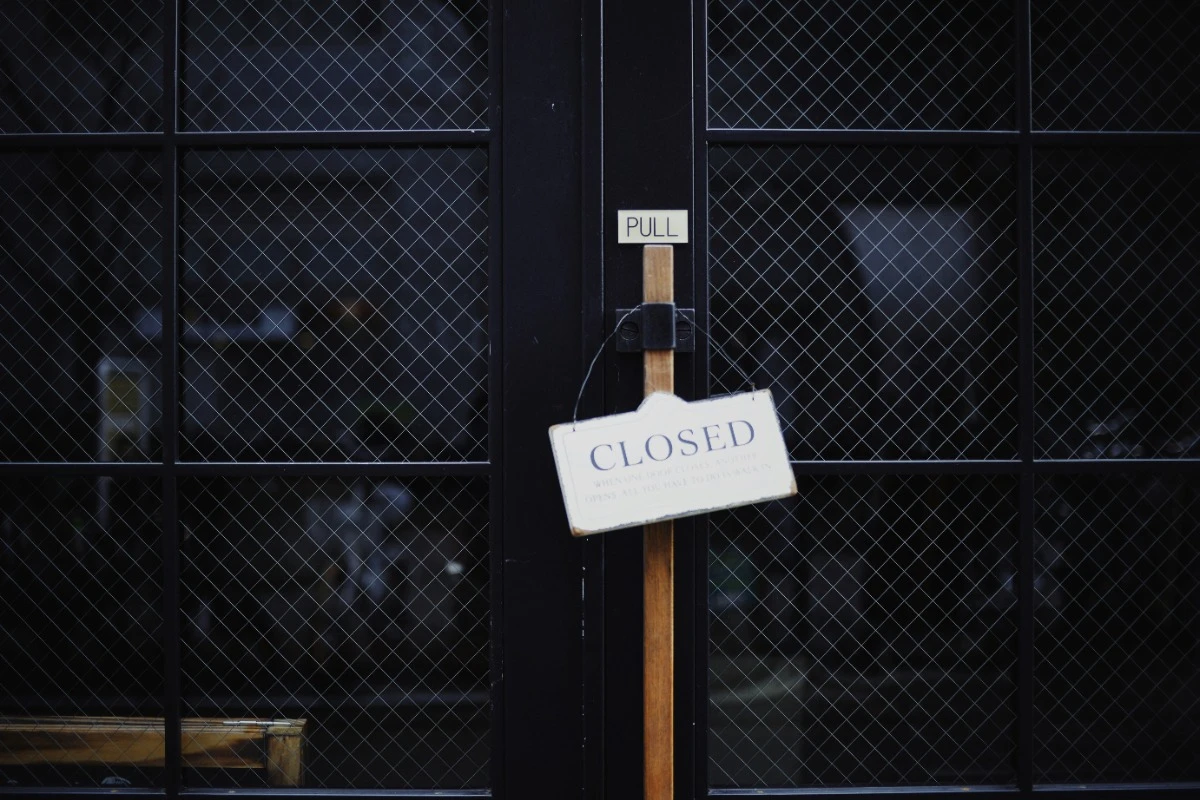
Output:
[[656, 326]]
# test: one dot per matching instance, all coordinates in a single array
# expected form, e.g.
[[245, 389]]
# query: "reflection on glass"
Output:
[[354, 611], [1117, 664], [874, 292], [80, 632], [335, 304], [863, 633], [79, 306]]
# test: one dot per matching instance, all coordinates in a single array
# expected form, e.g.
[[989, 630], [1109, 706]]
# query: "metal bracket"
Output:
[[656, 326]]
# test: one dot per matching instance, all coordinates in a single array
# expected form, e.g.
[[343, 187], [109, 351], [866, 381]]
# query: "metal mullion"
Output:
[[495, 470], [1025, 399], [703, 388], [78, 141], [348, 469], [171, 400], [862, 137], [831, 468], [331, 139]]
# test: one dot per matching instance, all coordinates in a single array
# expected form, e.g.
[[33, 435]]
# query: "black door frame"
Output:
[[646, 117]]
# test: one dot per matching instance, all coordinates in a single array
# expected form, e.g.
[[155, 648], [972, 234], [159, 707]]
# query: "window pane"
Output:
[[81, 652], [81, 66], [874, 292], [358, 606], [1117, 651], [300, 66], [335, 304], [864, 633], [80, 306], [1116, 242], [932, 64]]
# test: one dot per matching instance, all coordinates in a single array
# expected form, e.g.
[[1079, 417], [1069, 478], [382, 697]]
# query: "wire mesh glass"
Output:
[[863, 633], [931, 64], [1116, 242], [335, 304], [80, 305], [89, 67], [1116, 65], [874, 292], [357, 605], [1117, 666], [297, 65], [80, 632]]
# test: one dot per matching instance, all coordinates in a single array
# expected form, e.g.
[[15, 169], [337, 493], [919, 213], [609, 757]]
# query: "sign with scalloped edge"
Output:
[[671, 459]]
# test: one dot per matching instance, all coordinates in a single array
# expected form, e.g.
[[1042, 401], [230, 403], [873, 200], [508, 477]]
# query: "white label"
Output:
[[652, 227], [671, 459]]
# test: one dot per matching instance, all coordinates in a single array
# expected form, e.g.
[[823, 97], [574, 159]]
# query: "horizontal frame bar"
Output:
[[1014, 467], [1110, 791], [404, 469], [962, 138], [42, 141]]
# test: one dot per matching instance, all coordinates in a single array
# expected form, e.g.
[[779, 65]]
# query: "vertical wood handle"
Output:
[[658, 573]]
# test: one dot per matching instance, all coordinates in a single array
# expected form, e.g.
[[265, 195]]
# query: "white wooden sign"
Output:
[[652, 227], [671, 459]]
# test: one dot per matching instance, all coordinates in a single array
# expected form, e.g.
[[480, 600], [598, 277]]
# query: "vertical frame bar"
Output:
[[1025, 398], [496, 772], [171, 399]]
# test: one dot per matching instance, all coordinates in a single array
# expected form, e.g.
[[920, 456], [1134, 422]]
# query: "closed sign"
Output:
[[671, 459]]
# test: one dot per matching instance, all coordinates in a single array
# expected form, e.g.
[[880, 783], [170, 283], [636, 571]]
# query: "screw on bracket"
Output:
[[656, 326]]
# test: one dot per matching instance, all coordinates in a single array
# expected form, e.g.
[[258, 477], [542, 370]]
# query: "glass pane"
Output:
[[81, 66], [80, 306], [81, 652], [1116, 65], [864, 633], [1117, 645], [354, 611], [1116, 242], [874, 292], [335, 304], [932, 64], [344, 65]]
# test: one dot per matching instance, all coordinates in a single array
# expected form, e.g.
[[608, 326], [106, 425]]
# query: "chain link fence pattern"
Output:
[[80, 625], [873, 65], [80, 305], [359, 605], [310, 66], [863, 633], [1115, 66], [874, 291], [335, 304], [1117, 664]]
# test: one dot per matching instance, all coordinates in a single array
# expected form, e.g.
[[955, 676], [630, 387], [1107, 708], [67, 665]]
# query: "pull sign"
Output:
[[671, 459], [652, 227]]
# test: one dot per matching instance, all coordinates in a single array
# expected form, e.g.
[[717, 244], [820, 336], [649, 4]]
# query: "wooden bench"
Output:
[[274, 745]]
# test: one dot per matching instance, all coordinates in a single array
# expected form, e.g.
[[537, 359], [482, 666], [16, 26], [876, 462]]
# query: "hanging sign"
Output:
[[671, 459], [652, 227]]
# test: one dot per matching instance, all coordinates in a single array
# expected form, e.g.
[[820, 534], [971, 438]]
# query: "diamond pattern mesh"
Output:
[[1116, 65], [80, 67], [80, 305], [874, 291], [864, 634], [1117, 695], [866, 64], [335, 304], [359, 605], [80, 621], [1116, 241], [294, 65]]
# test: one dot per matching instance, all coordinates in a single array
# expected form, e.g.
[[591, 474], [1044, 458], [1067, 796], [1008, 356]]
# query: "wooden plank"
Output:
[[139, 741], [658, 573]]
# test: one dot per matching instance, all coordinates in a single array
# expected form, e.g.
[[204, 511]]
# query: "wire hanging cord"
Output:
[[595, 358], [616, 328]]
